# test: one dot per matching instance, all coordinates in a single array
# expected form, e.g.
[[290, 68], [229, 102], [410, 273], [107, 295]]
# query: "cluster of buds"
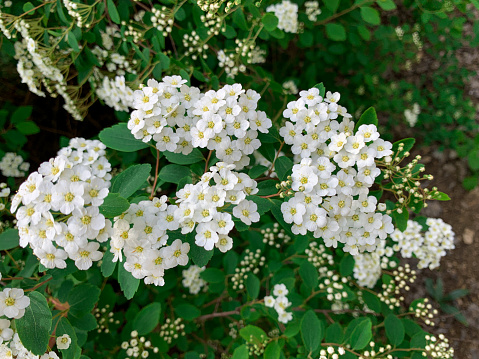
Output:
[[424, 310], [333, 285], [319, 257], [172, 329], [251, 263], [105, 318], [162, 19], [438, 347], [256, 346], [138, 347], [213, 24], [131, 31], [331, 353], [194, 46], [235, 327], [271, 234], [284, 188], [401, 279]]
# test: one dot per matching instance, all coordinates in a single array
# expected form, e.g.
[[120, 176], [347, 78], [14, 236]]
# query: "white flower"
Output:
[[280, 290], [6, 333], [246, 211], [85, 256], [269, 301], [63, 342], [50, 355], [13, 303], [50, 256], [225, 243]]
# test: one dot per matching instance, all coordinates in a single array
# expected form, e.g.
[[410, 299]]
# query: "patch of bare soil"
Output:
[[460, 268]]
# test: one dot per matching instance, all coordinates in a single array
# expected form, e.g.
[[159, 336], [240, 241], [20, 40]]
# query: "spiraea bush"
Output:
[[237, 209]]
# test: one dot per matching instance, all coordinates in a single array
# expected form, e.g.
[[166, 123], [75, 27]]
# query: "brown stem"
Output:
[[271, 195], [38, 285], [208, 160], [275, 158]]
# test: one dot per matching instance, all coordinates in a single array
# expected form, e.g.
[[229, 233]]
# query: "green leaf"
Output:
[[181, 159], [27, 128], [321, 88], [147, 319], [386, 4], [372, 301], [9, 239], [187, 311], [470, 182], [334, 333], [455, 294], [82, 298], [370, 15], [34, 327], [199, 255], [241, 352], [441, 196], [21, 114], [213, 275], [312, 331], [346, 265], [361, 334], [72, 41], [130, 180], [394, 329], [253, 334], [257, 171], [272, 351], [369, 117], [239, 19], [309, 274], [107, 264], [400, 219], [252, 285], [27, 7], [336, 32], [119, 137], [84, 322], [113, 12], [114, 205], [283, 167], [128, 284], [64, 327], [270, 21], [407, 143], [174, 173], [332, 5]]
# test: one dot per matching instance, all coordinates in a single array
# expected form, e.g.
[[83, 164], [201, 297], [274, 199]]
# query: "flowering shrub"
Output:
[[252, 237]]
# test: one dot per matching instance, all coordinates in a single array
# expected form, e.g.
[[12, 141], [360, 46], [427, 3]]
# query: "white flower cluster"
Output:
[[12, 165], [192, 279], [194, 46], [280, 303], [179, 118], [312, 10], [114, 62], [35, 67], [115, 93], [251, 263], [59, 206], [368, 266], [428, 247], [290, 87], [412, 114], [5, 190], [287, 14], [14, 349], [141, 234], [331, 183], [138, 347]]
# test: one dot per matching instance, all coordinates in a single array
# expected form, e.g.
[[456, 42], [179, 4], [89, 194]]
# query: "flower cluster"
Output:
[[179, 118], [58, 206], [270, 235], [331, 183], [115, 93], [192, 279], [138, 347], [429, 247], [12, 165], [368, 266], [412, 114], [141, 234], [312, 10], [280, 303], [287, 14], [172, 329], [36, 68]]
